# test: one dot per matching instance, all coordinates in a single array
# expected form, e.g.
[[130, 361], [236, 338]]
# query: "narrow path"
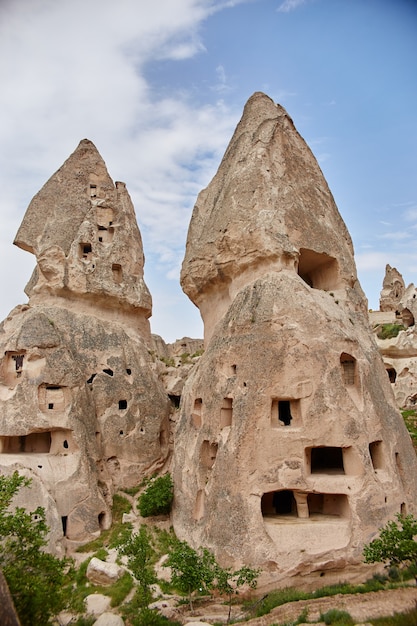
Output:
[[360, 606]]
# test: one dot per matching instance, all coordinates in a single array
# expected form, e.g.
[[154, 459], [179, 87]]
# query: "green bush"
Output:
[[389, 331], [35, 578], [157, 498], [334, 616]]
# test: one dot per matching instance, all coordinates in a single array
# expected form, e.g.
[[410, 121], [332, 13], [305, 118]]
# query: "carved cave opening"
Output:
[[325, 460], [376, 451], [117, 273], [196, 414], [58, 441], [318, 270], [105, 235], [85, 251], [64, 522], [302, 505], [175, 400], [208, 453], [407, 318], [226, 412], [52, 398], [13, 366], [392, 374], [102, 520], [122, 405], [34, 442], [349, 373], [285, 412]]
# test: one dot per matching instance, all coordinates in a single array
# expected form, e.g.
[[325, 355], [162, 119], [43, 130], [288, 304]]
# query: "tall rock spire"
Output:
[[268, 207], [83, 230], [289, 452], [81, 409]]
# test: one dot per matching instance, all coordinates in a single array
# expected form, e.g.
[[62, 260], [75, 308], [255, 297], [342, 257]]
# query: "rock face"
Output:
[[289, 452], [393, 289], [400, 353], [82, 411]]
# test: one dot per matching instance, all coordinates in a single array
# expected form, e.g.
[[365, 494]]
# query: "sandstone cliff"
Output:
[[290, 452]]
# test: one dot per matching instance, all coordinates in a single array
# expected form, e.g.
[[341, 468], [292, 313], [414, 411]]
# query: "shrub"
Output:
[[157, 498], [389, 331], [396, 544], [334, 616]]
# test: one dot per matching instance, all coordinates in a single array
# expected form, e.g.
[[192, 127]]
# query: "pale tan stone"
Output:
[[82, 411], [289, 451], [400, 353], [393, 288], [102, 573]]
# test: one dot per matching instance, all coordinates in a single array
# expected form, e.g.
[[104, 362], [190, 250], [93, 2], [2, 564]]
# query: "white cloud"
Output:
[[411, 214], [290, 5], [370, 261], [78, 68], [395, 236]]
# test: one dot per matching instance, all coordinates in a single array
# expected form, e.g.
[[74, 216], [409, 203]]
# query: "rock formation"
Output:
[[82, 411], [393, 288], [400, 352], [289, 452]]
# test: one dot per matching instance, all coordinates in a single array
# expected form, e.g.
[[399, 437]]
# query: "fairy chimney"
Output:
[[289, 452], [82, 412], [393, 289]]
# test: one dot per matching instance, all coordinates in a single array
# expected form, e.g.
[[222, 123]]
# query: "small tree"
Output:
[[191, 570], [228, 581], [140, 554], [35, 578], [157, 498], [396, 544]]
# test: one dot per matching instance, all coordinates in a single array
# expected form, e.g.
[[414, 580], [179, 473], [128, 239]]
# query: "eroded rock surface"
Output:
[[400, 352], [82, 410], [393, 288], [289, 452]]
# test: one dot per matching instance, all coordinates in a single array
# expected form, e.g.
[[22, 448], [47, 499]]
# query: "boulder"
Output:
[[102, 573]]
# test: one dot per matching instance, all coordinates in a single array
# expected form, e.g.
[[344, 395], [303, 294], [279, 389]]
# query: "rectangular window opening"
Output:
[[326, 460], [285, 412]]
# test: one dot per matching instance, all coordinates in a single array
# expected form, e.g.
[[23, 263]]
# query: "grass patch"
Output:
[[278, 598], [289, 594], [334, 616], [81, 588], [410, 420], [399, 619], [119, 590], [389, 331]]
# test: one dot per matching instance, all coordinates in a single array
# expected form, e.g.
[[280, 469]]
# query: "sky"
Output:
[[159, 87]]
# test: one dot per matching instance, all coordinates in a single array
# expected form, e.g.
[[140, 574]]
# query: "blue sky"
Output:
[[159, 88]]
